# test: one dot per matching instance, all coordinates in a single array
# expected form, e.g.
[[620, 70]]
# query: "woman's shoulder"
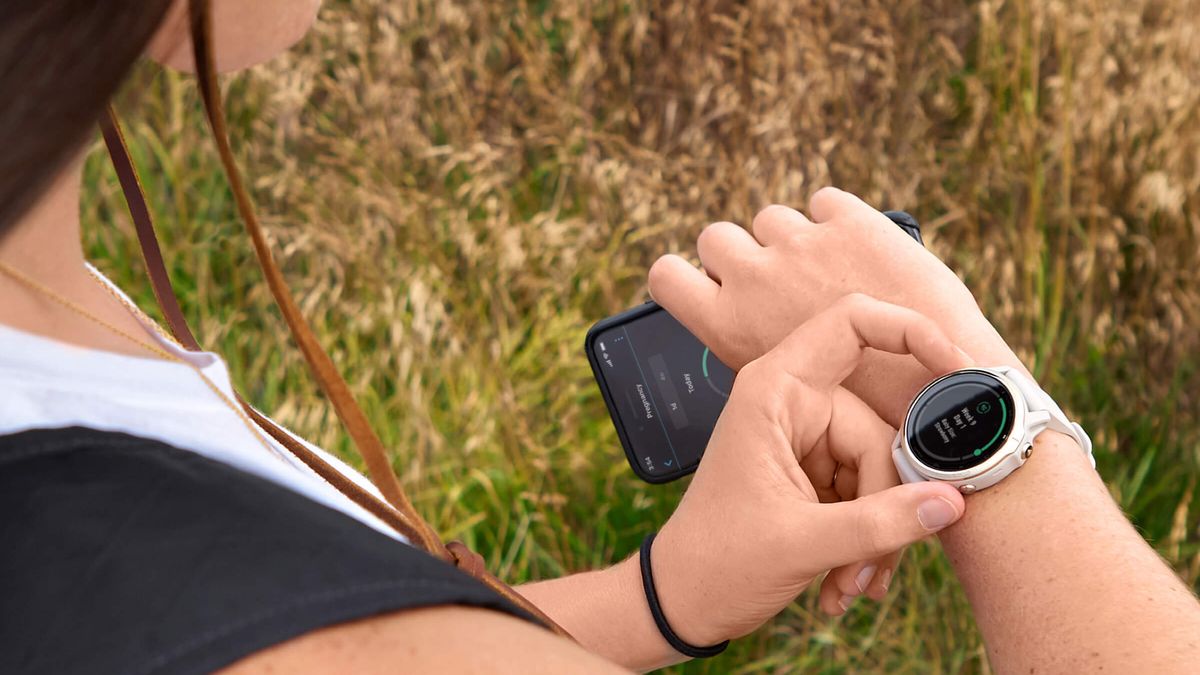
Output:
[[125, 554]]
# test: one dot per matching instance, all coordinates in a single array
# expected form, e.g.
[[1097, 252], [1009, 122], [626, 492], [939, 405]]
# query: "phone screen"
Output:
[[665, 390]]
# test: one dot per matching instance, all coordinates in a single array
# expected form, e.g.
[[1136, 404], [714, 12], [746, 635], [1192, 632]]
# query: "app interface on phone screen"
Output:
[[669, 389]]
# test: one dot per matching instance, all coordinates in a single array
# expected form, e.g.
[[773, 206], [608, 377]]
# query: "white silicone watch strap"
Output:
[[1037, 399]]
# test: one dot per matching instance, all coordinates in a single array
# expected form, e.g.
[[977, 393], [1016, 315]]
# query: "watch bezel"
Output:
[[1011, 446]]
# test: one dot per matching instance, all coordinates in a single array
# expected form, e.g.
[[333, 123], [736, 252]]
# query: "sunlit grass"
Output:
[[457, 191]]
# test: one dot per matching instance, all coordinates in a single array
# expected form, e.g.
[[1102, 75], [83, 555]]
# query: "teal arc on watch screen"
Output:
[[960, 421]]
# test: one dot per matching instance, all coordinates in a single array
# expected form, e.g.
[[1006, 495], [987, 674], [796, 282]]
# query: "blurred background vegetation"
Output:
[[457, 190]]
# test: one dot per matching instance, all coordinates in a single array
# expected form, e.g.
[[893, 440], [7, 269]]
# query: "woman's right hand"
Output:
[[760, 286], [798, 479]]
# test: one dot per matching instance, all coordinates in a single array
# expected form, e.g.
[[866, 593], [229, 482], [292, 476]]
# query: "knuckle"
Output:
[[825, 194], [659, 272], [771, 213], [856, 301], [761, 378], [774, 386], [713, 230], [754, 374]]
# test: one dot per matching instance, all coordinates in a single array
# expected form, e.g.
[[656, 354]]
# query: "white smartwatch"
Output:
[[972, 427]]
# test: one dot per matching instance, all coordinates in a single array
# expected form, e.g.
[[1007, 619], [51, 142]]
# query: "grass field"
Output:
[[458, 190]]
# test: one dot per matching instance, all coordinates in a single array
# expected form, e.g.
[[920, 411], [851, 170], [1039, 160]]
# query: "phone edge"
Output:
[[614, 412]]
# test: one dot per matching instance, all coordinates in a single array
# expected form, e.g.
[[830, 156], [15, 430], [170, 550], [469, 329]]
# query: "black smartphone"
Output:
[[663, 388]]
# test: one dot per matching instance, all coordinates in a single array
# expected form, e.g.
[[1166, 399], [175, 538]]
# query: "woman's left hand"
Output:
[[798, 479]]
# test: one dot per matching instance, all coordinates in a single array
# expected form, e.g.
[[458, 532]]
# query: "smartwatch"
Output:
[[972, 427]]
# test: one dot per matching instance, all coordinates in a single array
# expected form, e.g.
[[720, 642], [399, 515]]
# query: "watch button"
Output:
[[1027, 451], [968, 489]]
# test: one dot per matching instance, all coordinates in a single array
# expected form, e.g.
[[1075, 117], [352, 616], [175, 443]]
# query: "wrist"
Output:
[[1057, 475], [606, 612], [682, 597], [652, 651]]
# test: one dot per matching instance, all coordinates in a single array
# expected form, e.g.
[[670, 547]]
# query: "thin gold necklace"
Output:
[[36, 286]]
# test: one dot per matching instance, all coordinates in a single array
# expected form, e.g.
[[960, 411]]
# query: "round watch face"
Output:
[[960, 421]]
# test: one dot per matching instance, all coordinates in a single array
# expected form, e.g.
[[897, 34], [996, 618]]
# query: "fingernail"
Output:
[[885, 579], [864, 578], [845, 602], [966, 356], [936, 513]]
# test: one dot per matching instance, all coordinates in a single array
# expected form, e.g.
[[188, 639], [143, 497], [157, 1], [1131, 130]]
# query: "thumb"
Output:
[[841, 533]]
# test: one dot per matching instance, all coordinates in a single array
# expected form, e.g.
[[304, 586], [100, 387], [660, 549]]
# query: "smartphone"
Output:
[[664, 389]]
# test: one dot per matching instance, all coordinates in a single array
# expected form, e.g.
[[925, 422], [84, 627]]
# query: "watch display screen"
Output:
[[960, 421]]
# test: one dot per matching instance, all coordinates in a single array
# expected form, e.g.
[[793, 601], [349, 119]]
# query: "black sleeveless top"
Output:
[[125, 555]]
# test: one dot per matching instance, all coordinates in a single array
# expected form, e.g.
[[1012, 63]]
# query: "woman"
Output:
[[152, 528]]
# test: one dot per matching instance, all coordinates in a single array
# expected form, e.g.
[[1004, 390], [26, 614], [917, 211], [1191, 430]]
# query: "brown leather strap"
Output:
[[398, 512], [143, 223], [466, 560], [323, 368], [164, 293]]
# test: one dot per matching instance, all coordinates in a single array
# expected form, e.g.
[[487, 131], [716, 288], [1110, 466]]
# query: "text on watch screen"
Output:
[[960, 421]]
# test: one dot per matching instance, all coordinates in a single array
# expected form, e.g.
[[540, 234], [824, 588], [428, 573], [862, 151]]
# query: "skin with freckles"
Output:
[[1052, 568], [753, 529], [780, 525], [437, 640], [1058, 579], [757, 286], [759, 523]]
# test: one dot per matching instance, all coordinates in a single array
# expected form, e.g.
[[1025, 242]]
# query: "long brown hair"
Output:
[[60, 63]]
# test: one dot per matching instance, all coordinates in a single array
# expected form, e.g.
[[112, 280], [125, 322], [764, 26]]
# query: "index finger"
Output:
[[827, 348]]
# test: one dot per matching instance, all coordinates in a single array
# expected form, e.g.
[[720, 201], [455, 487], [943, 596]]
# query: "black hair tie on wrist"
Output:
[[656, 611]]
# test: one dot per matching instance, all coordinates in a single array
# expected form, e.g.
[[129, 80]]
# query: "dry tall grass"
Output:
[[458, 189]]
